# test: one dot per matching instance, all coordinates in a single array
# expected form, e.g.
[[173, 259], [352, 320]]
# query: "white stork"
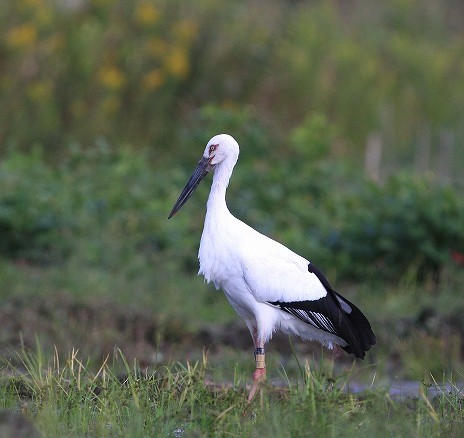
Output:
[[269, 286]]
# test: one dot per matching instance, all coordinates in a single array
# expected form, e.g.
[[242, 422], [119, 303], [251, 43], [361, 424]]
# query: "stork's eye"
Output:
[[212, 148]]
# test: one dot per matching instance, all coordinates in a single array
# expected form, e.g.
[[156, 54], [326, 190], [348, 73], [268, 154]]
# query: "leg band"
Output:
[[259, 358]]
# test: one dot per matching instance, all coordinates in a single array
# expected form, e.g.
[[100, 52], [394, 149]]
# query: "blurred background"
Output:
[[350, 119]]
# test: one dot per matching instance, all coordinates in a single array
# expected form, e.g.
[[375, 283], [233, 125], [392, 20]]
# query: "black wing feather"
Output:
[[334, 314]]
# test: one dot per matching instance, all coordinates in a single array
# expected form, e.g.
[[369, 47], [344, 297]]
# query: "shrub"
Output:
[[32, 221], [410, 222]]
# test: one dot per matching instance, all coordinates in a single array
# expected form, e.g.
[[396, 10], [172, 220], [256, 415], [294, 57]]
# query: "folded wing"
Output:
[[309, 296]]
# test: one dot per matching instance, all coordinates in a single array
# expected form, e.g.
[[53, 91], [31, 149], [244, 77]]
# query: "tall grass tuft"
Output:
[[70, 398]]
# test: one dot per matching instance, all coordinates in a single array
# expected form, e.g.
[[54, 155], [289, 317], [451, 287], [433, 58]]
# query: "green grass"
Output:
[[68, 398]]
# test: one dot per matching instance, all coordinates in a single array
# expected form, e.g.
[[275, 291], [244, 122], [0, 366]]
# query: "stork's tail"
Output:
[[362, 337]]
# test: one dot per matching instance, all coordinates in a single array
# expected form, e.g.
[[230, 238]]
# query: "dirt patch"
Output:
[[98, 328]]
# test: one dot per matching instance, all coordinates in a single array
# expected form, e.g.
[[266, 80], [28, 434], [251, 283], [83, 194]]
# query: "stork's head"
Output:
[[222, 148]]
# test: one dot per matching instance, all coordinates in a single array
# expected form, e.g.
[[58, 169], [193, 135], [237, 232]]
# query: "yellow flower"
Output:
[[153, 79], [112, 77], [185, 30], [177, 62], [146, 14], [22, 36]]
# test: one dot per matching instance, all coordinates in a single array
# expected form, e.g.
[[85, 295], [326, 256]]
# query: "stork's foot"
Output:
[[259, 376]]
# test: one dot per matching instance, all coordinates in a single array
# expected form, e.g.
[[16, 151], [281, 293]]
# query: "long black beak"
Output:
[[204, 166]]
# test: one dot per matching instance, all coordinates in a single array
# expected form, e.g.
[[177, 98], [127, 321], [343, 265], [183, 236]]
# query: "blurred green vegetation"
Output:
[[105, 107], [137, 73], [104, 204]]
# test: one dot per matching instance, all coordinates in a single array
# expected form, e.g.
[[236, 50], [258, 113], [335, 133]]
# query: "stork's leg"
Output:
[[260, 372]]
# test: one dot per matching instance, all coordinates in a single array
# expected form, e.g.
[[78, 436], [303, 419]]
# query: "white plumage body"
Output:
[[253, 270]]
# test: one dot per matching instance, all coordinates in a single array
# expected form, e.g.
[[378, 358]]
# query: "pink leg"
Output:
[[259, 374]]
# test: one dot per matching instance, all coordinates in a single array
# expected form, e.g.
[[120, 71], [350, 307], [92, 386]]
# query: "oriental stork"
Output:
[[270, 287]]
